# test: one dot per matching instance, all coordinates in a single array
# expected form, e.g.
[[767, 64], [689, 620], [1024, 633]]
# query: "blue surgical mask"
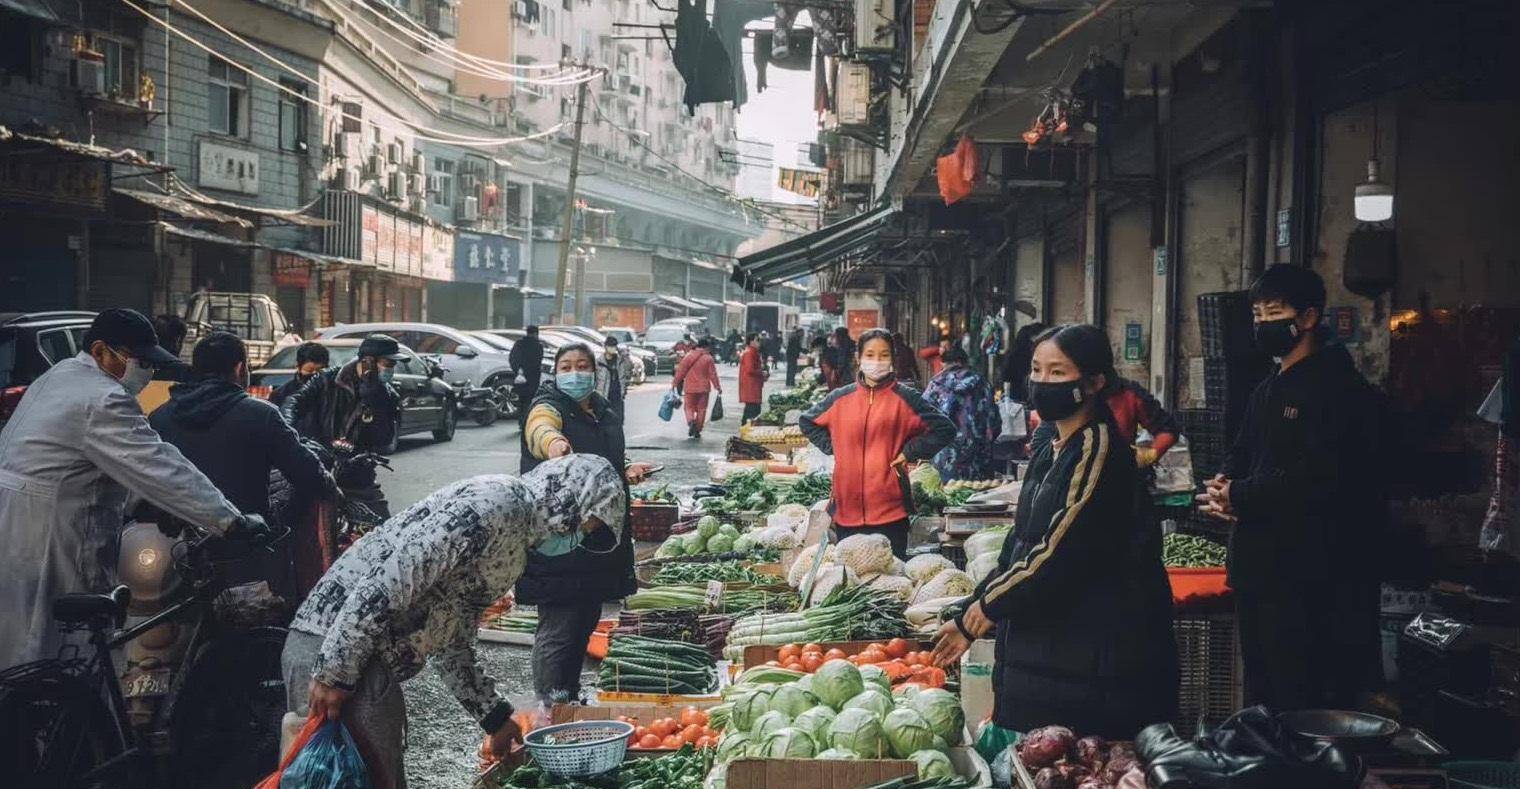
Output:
[[560, 544], [387, 374], [577, 384]]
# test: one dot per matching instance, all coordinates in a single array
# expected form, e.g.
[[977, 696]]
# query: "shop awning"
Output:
[[37, 9], [676, 302], [812, 251], [274, 215], [79, 150], [536, 293], [734, 305], [206, 235], [327, 260], [181, 207], [708, 303]]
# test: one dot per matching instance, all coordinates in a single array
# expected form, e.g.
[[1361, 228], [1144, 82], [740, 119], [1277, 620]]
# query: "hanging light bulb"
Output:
[[1374, 199]]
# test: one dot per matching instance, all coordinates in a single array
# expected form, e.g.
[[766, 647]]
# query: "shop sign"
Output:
[[1285, 227], [291, 271], [487, 258], [1133, 341], [859, 321], [391, 242], [30, 180], [1160, 256], [438, 253], [630, 315], [228, 168]]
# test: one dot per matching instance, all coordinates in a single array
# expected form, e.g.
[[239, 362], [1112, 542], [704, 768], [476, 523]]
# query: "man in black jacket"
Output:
[[793, 351], [235, 440], [1302, 488], [527, 360], [354, 404], [311, 358]]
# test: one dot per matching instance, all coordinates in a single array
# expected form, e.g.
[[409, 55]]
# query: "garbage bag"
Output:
[[669, 405], [717, 409], [326, 759]]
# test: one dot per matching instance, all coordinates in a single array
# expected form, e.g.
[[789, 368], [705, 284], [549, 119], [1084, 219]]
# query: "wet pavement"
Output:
[[442, 741]]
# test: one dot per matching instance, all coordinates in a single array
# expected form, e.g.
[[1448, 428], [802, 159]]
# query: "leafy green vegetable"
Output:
[[942, 710], [732, 746], [907, 732], [836, 682], [873, 698], [771, 721], [874, 675], [792, 700], [933, 764], [859, 730], [816, 722], [789, 743]]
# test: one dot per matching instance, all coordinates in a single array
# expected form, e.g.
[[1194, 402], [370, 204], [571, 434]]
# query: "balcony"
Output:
[[441, 18]]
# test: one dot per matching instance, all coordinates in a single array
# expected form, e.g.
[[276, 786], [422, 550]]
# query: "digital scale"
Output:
[[972, 518]]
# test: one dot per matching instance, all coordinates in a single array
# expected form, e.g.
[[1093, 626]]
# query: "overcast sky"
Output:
[[782, 115]]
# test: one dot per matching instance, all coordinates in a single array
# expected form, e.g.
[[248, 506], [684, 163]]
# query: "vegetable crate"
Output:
[[1211, 686], [652, 522], [758, 654], [845, 774]]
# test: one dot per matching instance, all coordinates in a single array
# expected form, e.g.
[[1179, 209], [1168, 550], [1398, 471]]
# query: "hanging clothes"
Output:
[[957, 171], [700, 57], [728, 21]]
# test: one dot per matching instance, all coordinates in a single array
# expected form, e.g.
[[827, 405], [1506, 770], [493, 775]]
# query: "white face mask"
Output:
[[874, 369], [137, 376]]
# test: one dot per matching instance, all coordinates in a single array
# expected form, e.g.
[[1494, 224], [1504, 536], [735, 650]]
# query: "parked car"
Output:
[[662, 338], [253, 316], [463, 356], [427, 403], [643, 358], [696, 327], [625, 334], [506, 338], [32, 342]]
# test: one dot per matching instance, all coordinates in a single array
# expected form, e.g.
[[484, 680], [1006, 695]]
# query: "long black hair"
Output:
[[875, 334], [1087, 347]]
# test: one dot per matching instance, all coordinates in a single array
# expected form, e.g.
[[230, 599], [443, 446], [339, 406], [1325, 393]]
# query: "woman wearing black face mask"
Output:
[[1080, 603]]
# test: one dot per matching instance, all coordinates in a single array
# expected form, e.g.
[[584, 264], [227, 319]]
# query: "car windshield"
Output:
[[665, 334], [623, 335], [286, 358]]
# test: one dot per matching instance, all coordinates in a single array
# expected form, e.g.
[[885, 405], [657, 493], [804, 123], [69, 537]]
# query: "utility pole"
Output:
[[567, 228]]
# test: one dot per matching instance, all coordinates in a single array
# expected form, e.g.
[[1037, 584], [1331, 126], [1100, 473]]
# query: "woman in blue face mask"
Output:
[[570, 579]]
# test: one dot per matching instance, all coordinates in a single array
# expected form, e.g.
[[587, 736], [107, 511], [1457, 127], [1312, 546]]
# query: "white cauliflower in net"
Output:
[[927, 612], [777, 537], [896, 584], [982, 566], [899, 567], [866, 554], [927, 565], [986, 541], [804, 563], [831, 577], [945, 583]]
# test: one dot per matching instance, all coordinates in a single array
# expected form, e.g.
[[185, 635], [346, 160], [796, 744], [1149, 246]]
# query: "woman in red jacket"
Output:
[[696, 378], [874, 428], [752, 375]]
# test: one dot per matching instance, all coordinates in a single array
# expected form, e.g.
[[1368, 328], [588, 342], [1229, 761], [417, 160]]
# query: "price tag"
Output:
[[714, 596]]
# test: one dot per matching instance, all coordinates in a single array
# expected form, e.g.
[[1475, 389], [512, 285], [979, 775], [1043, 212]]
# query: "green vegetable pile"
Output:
[[1187, 550], [732, 601], [856, 613], [751, 491], [931, 502], [516, 622], [913, 782], [702, 572], [660, 494], [710, 536], [635, 664], [800, 398], [684, 769]]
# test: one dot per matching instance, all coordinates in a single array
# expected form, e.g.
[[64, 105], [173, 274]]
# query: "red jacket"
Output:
[[865, 428], [751, 376], [697, 373]]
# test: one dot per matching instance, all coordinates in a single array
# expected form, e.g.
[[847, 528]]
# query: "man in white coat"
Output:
[[77, 445]]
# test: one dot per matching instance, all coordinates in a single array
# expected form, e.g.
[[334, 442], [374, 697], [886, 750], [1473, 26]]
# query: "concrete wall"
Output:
[[1029, 276], [1210, 219], [1127, 277], [1068, 287]]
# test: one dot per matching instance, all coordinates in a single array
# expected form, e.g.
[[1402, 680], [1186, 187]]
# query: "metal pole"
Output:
[[580, 289], [567, 228]]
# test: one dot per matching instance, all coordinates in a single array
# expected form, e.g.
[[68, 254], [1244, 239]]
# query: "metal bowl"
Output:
[[1354, 732]]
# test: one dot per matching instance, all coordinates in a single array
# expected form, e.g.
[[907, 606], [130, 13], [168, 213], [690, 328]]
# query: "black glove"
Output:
[[251, 528]]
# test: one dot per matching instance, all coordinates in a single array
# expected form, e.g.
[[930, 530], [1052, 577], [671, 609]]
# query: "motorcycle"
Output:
[[329, 525], [484, 404]]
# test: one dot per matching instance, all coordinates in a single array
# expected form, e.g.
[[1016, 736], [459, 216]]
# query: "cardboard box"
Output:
[[611, 697], [843, 774], [976, 682]]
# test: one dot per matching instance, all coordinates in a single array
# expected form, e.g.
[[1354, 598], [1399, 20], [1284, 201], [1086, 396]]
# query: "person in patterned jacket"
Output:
[[414, 588], [966, 397]]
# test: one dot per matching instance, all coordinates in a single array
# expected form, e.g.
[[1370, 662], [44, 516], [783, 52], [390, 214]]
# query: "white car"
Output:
[[461, 355]]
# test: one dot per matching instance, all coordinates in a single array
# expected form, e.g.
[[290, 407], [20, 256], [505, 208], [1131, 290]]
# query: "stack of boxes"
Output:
[[1232, 368]]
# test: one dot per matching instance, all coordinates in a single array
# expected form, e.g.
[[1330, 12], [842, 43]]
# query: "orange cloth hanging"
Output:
[[957, 171]]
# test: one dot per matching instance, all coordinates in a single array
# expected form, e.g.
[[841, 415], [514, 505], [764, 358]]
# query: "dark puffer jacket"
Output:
[[1083, 609], [590, 572], [336, 403]]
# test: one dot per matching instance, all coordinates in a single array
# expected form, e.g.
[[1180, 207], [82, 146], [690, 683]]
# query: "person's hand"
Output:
[[325, 700], [636, 472], [251, 527], [900, 460], [1215, 499], [559, 448], [1145, 457], [949, 645], [502, 740], [976, 620]]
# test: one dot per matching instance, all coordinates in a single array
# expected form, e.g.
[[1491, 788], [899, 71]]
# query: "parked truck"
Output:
[[253, 316], [769, 316]]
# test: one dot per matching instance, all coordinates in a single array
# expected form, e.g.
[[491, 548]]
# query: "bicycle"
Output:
[[210, 720]]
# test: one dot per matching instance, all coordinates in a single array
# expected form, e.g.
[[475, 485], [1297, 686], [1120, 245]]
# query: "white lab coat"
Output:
[[70, 455]]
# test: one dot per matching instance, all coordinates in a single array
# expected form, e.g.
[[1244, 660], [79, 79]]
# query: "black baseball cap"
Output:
[[120, 327], [382, 345]]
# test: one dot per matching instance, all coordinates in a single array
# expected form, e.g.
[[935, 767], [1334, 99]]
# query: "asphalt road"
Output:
[[442, 742]]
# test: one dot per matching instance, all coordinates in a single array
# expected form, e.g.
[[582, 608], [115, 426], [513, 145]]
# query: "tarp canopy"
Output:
[[810, 252]]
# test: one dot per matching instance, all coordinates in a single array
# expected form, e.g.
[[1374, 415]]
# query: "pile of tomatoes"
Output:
[[898, 658], [689, 728]]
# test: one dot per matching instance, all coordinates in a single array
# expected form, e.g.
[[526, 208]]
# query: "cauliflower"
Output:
[[898, 567], [945, 583], [866, 554], [804, 563], [927, 612], [792, 516], [982, 566], [986, 541], [831, 577], [776, 537], [927, 565], [896, 584]]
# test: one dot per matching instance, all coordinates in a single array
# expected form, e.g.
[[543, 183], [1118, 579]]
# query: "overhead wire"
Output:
[[424, 35]]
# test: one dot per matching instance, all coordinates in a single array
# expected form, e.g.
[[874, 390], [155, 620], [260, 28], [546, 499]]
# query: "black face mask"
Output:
[[1277, 338], [1056, 401]]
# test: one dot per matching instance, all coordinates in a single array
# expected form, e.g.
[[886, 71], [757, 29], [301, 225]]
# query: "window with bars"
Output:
[[226, 98]]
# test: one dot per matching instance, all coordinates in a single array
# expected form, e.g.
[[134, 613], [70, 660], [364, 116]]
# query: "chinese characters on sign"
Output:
[[229, 168], [36, 179], [487, 258]]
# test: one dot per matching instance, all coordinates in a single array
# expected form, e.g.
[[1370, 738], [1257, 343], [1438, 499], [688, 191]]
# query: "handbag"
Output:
[[668, 405], [717, 409]]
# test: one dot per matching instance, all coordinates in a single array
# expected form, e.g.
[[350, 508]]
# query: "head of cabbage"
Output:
[[836, 682], [907, 732], [933, 765], [749, 707], [734, 745], [792, 700], [772, 721], [816, 722], [788, 743], [836, 753], [873, 698], [707, 526], [874, 675], [943, 712], [859, 731]]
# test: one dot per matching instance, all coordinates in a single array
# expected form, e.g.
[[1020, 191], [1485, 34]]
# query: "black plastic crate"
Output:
[[1211, 684], [1224, 321], [1228, 383], [1203, 427]]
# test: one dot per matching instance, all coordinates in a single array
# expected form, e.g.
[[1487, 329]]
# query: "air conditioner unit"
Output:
[[858, 165], [343, 142], [469, 209], [853, 101], [419, 163], [393, 153], [417, 204], [90, 73], [346, 178], [418, 183], [875, 25], [395, 186], [376, 163]]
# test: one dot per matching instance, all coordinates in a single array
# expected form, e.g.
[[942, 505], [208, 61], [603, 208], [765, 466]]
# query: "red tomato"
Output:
[[811, 661], [877, 645], [895, 669], [673, 741], [795, 665], [649, 742], [788, 652], [834, 654], [664, 727], [691, 733], [706, 742], [690, 715], [898, 647], [812, 648], [708, 731], [934, 677], [872, 655]]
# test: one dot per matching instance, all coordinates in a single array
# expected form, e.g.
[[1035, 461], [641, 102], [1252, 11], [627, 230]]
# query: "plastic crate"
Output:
[[1224, 323], [1483, 775], [652, 522], [1227, 383], [1210, 676]]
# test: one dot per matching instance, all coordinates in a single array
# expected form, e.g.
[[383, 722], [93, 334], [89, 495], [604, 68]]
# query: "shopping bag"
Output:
[[329, 760], [669, 405], [717, 410], [313, 723], [1015, 420]]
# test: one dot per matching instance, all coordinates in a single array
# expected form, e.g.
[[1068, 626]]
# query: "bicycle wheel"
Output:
[[225, 727], [56, 727]]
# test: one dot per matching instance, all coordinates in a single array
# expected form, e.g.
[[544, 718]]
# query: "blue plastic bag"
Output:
[[669, 405], [329, 760]]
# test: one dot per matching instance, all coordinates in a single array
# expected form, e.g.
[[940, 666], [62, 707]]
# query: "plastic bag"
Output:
[[669, 405], [1015, 420], [324, 757], [717, 409]]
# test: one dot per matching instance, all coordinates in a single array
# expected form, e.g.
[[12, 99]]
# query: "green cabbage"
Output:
[[693, 543], [734, 745], [792, 700], [720, 543], [744, 543], [933, 765], [788, 743], [859, 730], [836, 682], [874, 675], [873, 698], [907, 693], [940, 744], [816, 722], [707, 526], [907, 732], [806, 683], [836, 753], [728, 530], [769, 722], [943, 712], [673, 546], [749, 707]]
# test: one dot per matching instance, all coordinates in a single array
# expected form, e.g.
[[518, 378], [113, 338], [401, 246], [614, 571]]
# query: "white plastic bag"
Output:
[[1015, 420]]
